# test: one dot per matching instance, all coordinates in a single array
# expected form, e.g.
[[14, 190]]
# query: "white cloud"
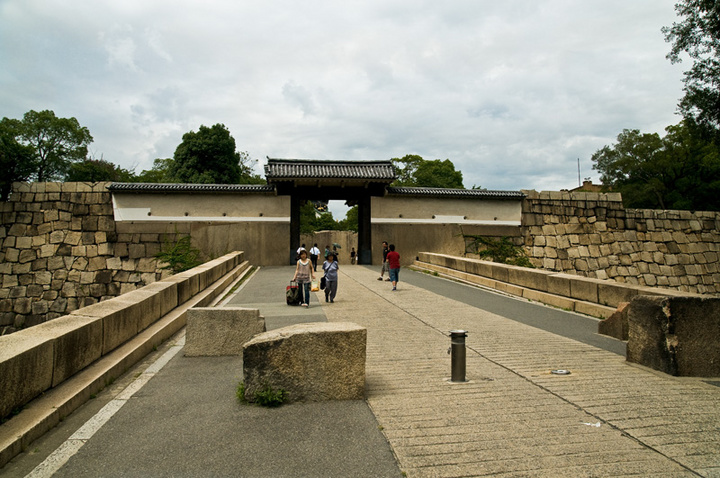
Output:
[[512, 92]]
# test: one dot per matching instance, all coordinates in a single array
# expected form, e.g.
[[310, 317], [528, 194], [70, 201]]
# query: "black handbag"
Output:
[[323, 283]]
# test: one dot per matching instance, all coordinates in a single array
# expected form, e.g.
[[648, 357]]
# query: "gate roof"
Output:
[[303, 170]]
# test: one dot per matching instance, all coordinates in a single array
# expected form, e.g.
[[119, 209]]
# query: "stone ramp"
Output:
[[515, 418]]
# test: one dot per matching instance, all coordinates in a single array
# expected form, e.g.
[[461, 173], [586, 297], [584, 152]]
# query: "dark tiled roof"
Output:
[[454, 193], [289, 169], [190, 188]]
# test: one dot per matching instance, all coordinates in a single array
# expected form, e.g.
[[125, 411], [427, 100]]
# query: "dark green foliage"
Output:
[[698, 36], [312, 220], [678, 171], [55, 142], [240, 392], [413, 170], [209, 157], [267, 397], [501, 250], [160, 172], [17, 161], [179, 255], [350, 223], [97, 170]]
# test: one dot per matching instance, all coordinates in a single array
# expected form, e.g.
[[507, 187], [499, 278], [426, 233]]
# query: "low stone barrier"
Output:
[[35, 359], [217, 331], [617, 324], [676, 335], [595, 297], [311, 362]]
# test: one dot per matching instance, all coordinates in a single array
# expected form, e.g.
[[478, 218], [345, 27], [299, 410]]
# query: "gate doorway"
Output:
[[355, 182]]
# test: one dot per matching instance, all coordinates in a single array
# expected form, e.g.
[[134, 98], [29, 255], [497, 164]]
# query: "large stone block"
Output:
[[120, 318], [559, 284], [217, 331], [617, 324], [676, 335], [530, 278], [311, 362], [26, 368], [188, 284]]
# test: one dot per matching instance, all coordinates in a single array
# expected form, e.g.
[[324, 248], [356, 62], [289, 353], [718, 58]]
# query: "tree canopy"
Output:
[[413, 170], [208, 156], [678, 171], [698, 36], [160, 172], [17, 161], [55, 142], [97, 170]]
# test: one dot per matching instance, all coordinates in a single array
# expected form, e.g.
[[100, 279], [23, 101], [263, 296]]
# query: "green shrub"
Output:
[[500, 250], [179, 256], [267, 397]]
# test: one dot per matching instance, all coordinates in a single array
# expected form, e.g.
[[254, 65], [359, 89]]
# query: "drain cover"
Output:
[[560, 372]]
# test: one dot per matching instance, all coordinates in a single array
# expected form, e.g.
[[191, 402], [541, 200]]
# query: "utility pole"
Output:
[[579, 183]]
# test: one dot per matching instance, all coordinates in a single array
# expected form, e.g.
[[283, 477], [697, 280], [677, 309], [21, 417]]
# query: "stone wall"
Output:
[[592, 235], [61, 248], [60, 251]]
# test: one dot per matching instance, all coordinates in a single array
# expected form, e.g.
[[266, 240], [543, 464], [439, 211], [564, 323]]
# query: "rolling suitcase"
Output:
[[292, 294]]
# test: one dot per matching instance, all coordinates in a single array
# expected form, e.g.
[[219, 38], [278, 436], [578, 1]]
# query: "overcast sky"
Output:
[[513, 92]]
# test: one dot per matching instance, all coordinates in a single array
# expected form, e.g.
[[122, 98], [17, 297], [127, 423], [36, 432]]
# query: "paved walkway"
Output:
[[513, 417]]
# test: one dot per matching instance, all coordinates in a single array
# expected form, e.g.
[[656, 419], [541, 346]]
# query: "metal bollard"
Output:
[[457, 355]]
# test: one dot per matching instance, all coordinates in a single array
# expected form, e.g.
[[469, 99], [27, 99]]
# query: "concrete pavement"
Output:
[[513, 417]]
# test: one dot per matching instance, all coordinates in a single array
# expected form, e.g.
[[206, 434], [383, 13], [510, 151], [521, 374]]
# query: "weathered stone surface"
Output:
[[26, 368], [617, 324], [311, 362], [676, 335], [217, 331]]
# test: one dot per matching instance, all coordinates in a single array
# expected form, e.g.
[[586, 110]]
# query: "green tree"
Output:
[[312, 220], [405, 169], [350, 223], [17, 161], [413, 170], [160, 172], [698, 35], [209, 157], [56, 142], [439, 174], [97, 170], [247, 176], [678, 171]]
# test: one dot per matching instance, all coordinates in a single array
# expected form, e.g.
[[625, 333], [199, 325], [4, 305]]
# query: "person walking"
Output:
[[314, 253], [385, 263], [304, 276], [352, 256], [394, 265], [331, 266]]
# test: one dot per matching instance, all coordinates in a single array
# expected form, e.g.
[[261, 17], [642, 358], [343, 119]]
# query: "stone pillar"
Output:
[[364, 231]]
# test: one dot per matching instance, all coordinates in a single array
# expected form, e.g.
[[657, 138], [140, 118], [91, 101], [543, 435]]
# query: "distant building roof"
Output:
[[454, 193], [191, 188], [590, 187], [303, 169]]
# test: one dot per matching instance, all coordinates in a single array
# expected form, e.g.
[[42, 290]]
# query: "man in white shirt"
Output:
[[314, 253]]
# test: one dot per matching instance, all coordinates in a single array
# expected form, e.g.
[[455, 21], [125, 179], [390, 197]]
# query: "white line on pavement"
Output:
[[73, 444]]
